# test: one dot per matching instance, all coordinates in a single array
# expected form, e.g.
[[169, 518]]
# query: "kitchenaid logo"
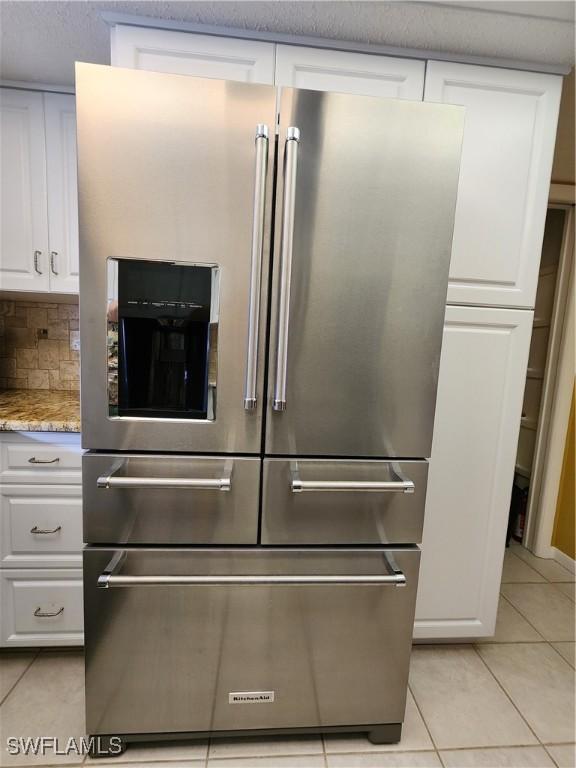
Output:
[[251, 697], [52, 745]]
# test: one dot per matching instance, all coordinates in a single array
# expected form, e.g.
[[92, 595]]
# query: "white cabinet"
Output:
[[60, 110], [482, 373], [24, 258], [39, 208], [41, 607], [509, 137], [183, 53], [344, 72], [40, 539]]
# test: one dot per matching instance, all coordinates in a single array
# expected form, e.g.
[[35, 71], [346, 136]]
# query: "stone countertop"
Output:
[[38, 410]]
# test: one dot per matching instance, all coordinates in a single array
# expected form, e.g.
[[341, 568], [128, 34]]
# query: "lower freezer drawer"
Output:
[[188, 640]]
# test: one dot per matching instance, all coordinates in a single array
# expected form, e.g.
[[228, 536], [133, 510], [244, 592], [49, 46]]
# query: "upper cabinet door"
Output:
[[62, 191], [356, 73], [183, 53], [24, 254], [509, 138]]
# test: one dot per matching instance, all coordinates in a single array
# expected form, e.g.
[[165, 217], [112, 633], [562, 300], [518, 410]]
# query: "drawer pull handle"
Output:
[[45, 530], [107, 580], [47, 614], [111, 480], [401, 485], [34, 460]]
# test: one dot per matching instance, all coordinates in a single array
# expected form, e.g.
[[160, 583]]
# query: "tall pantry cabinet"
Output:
[[507, 156]]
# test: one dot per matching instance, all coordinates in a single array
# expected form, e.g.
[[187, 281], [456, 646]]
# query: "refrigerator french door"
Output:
[[175, 190], [263, 275]]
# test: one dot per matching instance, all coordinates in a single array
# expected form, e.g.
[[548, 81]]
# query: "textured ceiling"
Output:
[[41, 40]]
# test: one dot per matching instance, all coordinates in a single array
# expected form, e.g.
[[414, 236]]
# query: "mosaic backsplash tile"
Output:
[[39, 346]]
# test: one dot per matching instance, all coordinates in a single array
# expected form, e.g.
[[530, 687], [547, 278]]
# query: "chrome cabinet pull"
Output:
[[46, 614], [260, 174], [53, 256], [390, 486], [43, 531], [34, 460], [107, 580], [289, 200], [223, 483], [37, 255]]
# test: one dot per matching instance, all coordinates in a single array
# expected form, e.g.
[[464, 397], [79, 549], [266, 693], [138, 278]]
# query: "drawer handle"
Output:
[[47, 614], [401, 485], [107, 580], [112, 578], [110, 480], [45, 530], [34, 460]]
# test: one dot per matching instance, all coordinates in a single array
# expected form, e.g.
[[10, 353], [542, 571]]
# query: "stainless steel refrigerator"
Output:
[[262, 287]]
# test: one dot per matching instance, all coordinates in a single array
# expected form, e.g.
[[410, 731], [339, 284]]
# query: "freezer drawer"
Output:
[[246, 639], [343, 502], [169, 499]]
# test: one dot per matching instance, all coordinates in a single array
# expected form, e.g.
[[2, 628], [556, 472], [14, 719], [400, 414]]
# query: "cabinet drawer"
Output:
[[33, 462], [41, 526], [41, 607], [313, 501]]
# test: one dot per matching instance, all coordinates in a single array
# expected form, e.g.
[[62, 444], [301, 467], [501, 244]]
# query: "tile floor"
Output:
[[506, 701]]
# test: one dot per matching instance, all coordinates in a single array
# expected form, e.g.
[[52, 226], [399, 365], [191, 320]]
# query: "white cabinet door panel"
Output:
[[23, 192], [41, 607], [356, 73], [482, 375], [184, 53], [41, 526], [60, 112], [507, 153]]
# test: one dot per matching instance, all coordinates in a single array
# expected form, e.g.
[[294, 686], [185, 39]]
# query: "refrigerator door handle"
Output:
[[223, 483], [289, 199], [402, 485], [260, 175]]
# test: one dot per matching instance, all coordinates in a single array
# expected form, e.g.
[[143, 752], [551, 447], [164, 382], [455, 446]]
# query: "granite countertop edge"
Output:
[[25, 425]]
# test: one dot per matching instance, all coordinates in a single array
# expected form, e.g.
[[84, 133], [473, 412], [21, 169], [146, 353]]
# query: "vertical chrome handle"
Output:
[[37, 255], [53, 255], [288, 204], [260, 172]]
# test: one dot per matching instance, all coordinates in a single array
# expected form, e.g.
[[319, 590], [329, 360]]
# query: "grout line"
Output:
[[428, 731], [20, 676], [508, 696], [551, 644], [526, 619]]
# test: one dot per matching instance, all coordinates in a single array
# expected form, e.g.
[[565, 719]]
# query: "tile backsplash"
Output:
[[39, 346]]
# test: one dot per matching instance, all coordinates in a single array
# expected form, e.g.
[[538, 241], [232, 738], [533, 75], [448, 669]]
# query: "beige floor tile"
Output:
[[516, 570], [550, 569], [461, 703], [564, 755], [567, 651], [512, 627], [48, 701], [506, 757], [567, 589], [188, 763], [385, 760], [414, 736], [547, 609], [539, 682], [12, 667], [266, 746], [174, 750], [281, 761]]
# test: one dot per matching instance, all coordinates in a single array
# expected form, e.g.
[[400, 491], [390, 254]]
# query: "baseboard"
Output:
[[564, 560]]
